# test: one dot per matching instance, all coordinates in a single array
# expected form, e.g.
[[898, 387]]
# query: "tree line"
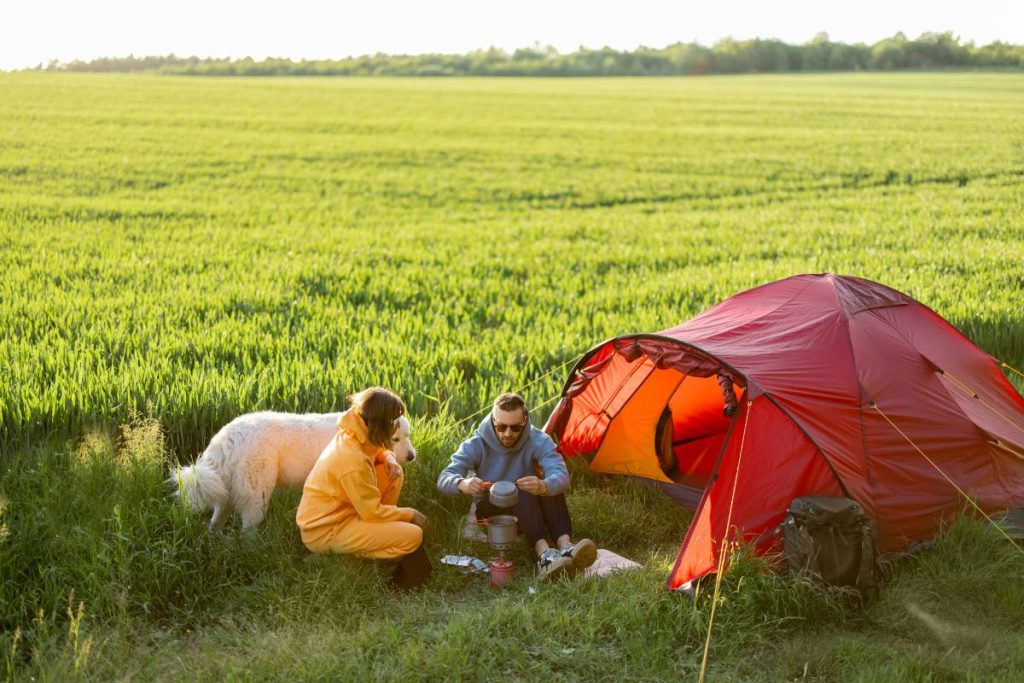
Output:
[[728, 56]]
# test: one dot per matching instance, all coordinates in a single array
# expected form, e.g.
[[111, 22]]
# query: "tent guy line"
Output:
[[947, 477], [1010, 367], [724, 545], [460, 424], [973, 394], [526, 386]]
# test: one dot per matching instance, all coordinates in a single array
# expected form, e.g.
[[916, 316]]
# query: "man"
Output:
[[506, 447]]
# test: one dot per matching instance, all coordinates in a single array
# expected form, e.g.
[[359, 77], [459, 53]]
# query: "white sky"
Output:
[[36, 31]]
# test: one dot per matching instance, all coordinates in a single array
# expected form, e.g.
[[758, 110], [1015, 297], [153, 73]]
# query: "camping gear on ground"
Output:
[[502, 531], [412, 571], [832, 540], [503, 494], [844, 388], [466, 564]]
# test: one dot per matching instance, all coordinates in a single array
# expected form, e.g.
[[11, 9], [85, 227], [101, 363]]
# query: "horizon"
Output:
[[316, 30], [508, 51]]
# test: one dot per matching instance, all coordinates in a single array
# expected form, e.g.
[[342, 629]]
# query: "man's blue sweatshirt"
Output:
[[484, 454]]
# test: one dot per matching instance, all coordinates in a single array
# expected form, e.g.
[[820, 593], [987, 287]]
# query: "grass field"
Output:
[[193, 249]]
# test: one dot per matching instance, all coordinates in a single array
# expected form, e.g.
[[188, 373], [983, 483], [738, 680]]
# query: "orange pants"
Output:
[[379, 540]]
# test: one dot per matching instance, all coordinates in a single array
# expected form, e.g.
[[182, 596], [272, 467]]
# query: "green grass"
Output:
[[195, 249]]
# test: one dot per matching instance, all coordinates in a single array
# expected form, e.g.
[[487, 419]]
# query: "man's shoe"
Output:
[[582, 553], [552, 565]]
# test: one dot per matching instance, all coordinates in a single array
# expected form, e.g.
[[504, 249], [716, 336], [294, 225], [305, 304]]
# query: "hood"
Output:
[[352, 426], [486, 432]]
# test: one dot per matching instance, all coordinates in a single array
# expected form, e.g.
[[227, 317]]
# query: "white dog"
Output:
[[255, 453]]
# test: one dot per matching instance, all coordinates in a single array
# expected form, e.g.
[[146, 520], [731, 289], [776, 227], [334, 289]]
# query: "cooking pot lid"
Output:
[[503, 489]]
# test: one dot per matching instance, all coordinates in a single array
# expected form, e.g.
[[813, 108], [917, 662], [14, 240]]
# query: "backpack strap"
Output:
[[867, 578]]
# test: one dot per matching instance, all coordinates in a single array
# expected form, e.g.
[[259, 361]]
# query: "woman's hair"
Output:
[[380, 410]]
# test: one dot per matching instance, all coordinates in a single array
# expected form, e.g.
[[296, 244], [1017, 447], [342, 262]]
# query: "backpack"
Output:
[[834, 541]]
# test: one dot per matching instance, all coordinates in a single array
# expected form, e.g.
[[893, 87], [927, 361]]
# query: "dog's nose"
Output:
[[412, 456]]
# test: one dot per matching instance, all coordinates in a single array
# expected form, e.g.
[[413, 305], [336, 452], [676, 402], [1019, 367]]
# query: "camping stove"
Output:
[[502, 569], [501, 535]]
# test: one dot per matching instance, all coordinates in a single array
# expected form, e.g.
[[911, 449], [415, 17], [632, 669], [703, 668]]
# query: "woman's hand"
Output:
[[394, 470], [532, 485], [420, 519], [472, 486]]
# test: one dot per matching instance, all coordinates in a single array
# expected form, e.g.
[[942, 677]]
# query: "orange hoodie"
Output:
[[343, 484]]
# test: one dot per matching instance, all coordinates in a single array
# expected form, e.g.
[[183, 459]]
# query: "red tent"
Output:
[[845, 387]]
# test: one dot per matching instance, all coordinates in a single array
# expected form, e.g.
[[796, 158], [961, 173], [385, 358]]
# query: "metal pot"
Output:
[[501, 530], [503, 494]]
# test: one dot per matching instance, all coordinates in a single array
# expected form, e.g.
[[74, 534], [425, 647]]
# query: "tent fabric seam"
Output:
[[939, 370], [821, 451], [861, 391]]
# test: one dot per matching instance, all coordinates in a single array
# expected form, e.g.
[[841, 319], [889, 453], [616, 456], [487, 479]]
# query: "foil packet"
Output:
[[466, 564]]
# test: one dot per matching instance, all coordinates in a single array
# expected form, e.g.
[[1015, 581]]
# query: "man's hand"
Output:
[[532, 485], [472, 486], [394, 470], [420, 519]]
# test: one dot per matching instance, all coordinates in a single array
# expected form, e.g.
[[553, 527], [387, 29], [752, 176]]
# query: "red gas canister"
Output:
[[501, 572]]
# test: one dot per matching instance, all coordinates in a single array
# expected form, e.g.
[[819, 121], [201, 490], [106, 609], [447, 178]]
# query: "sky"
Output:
[[37, 31]]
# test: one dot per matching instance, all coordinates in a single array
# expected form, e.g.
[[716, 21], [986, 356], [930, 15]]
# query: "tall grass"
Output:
[[218, 247], [107, 576], [176, 252]]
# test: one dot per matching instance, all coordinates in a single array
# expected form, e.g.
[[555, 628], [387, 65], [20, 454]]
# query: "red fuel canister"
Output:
[[502, 571]]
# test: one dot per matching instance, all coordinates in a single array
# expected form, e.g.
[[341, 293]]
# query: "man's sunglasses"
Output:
[[502, 428]]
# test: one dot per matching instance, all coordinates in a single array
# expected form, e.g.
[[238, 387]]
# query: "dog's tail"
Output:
[[200, 487]]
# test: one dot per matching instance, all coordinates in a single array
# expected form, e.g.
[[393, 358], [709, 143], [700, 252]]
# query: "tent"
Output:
[[841, 387]]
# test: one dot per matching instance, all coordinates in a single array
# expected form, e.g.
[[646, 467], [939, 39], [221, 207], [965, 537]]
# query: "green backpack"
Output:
[[832, 540]]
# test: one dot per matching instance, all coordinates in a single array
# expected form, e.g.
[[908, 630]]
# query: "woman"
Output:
[[349, 500]]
